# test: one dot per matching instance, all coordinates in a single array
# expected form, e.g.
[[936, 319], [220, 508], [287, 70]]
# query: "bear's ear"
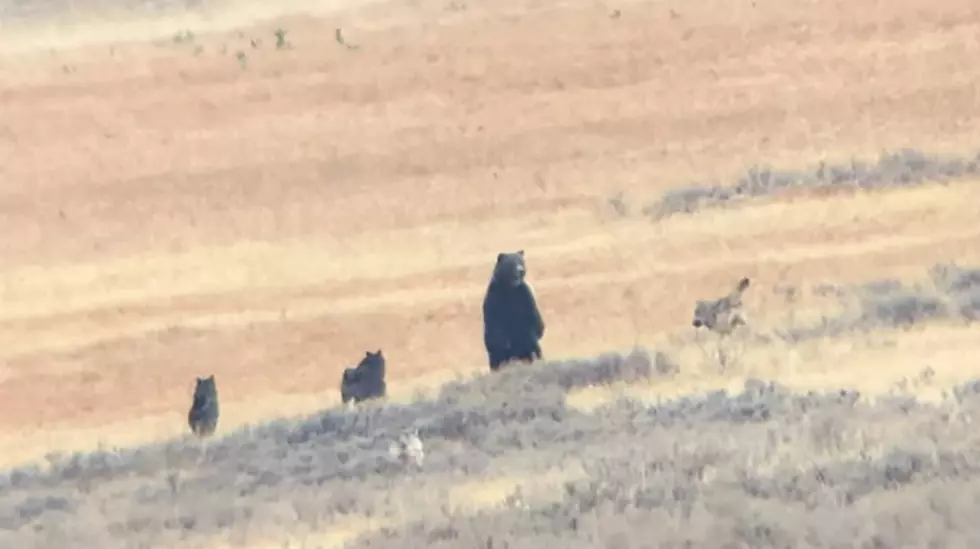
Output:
[[500, 257], [378, 353]]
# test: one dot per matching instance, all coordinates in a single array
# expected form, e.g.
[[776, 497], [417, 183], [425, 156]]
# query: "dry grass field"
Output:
[[180, 196]]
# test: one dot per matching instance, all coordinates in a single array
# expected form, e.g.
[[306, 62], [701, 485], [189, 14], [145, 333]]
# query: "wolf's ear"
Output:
[[500, 257], [743, 284], [520, 253]]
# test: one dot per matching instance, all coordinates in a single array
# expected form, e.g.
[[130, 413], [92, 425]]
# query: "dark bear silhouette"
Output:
[[366, 381], [203, 417], [512, 323]]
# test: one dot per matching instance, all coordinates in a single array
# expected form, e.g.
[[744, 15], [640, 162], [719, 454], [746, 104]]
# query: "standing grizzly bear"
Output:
[[512, 323]]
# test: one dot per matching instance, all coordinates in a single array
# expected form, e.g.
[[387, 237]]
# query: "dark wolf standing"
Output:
[[724, 314], [366, 381], [512, 323], [203, 417]]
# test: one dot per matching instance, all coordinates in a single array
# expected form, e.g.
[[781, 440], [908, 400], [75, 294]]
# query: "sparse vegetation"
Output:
[[339, 37], [948, 292], [204, 206], [764, 468], [906, 167], [281, 42], [618, 204], [183, 37]]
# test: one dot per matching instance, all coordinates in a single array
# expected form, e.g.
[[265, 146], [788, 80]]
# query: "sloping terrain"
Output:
[[266, 199], [511, 461]]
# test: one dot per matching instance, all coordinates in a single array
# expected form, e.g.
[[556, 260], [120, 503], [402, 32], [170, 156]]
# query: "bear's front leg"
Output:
[[498, 357], [529, 351]]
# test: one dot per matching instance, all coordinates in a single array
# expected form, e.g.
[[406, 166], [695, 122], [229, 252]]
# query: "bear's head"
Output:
[[510, 268], [375, 360], [205, 386], [205, 389]]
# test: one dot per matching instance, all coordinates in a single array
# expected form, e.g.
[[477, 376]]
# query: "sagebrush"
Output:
[[762, 468]]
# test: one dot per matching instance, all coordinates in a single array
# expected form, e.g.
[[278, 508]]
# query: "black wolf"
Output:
[[366, 381], [203, 417]]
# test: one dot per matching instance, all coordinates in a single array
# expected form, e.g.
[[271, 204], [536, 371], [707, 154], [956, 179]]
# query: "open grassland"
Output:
[[537, 455], [191, 194]]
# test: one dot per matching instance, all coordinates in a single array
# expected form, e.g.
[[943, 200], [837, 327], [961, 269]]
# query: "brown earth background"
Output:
[[173, 207]]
